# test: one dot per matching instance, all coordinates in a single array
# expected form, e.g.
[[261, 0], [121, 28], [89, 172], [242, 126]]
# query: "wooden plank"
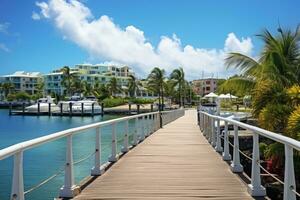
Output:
[[176, 162]]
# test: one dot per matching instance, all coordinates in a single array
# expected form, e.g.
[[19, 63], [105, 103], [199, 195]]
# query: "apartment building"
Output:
[[89, 73], [23, 81], [204, 86]]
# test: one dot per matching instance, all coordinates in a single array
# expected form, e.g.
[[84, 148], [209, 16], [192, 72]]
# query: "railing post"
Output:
[[226, 154], [135, 133], [97, 170], [236, 164], [69, 189], [255, 188], [125, 147], [113, 157], [142, 128], [218, 136], [289, 174], [160, 120], [213, 132], [17, 191]]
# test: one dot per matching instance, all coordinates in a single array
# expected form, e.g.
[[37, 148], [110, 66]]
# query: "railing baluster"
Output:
[[289, 174], [135, 133], [142, 128], [226, 154], [97, 170], [17, 192], [69, 189], [255, 188], [125, 146], [213, 132], [236, 164], [218, 136], [113, 157]]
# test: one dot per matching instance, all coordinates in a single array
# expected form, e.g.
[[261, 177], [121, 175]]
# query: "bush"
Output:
[[141, 101], [112, 102]]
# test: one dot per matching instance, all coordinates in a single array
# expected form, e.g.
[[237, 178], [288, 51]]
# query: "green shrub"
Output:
[[141, 101], [112, 102]]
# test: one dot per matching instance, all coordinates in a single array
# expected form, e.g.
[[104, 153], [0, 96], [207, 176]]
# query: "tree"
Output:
[[133, 86], [68, 80], [273, 80], [87, 89], [40, 88], [179, 80], [100, 91], [7, 88], [156, 81], [113, 87]]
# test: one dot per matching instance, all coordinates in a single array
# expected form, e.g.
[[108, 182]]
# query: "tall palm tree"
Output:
[[179, 80], [87, 89], [113, 87], [270, 76], [7, 88], [156, 81], [68, 79], [133, 86]]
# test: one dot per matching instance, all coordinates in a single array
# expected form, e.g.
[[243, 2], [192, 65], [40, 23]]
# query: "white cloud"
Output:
[[105, 40], [4, 27], [3, 47], [35, 16]]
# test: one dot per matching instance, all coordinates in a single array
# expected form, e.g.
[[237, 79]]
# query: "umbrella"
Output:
[[211, 95], [223, 96], [231, 96]]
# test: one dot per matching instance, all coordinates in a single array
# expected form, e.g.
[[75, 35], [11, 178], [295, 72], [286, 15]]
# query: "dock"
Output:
[[176, 162]]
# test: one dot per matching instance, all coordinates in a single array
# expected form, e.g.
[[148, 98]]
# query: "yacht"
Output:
[[44, 104], [77, 106]]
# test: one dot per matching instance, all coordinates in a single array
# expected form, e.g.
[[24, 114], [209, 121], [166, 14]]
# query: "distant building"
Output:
[[23, 81], [91, 74], [204, 86]]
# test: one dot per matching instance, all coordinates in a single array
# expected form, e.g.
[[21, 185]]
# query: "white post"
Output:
[[236, 164], [255, 188], [135, 133], [213, 132], [69, 189], [289, 174], [113, 157], [125, 147], [17, 191], [218, 145], [142, 128], [97, 170], [226, 154]]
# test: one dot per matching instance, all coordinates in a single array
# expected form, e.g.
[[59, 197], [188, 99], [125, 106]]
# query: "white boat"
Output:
[[88, 106], [42, 105]]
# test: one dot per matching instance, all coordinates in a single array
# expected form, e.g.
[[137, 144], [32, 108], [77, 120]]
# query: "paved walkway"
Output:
[[176, 162]]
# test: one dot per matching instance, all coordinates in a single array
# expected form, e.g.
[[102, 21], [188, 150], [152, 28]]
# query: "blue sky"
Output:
[[41, 45]]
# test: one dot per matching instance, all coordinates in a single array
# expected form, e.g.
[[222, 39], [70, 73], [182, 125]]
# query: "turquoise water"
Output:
[[46, 160]]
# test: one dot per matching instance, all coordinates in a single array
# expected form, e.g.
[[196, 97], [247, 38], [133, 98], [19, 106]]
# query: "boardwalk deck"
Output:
[[174, 163]]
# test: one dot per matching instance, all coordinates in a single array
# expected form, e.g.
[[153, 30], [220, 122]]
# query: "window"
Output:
[[207, 82], [207, 88]]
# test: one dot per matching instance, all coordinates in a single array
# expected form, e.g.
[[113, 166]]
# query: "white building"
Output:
[[23, 81]]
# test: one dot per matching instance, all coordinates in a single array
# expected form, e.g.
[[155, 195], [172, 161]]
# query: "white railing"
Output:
[[210, 127], [145, 124]]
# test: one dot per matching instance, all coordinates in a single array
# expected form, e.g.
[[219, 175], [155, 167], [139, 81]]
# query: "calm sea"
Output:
[[46, 160]]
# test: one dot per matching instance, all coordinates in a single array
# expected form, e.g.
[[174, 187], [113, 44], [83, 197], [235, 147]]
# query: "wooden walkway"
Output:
[[176, 162]]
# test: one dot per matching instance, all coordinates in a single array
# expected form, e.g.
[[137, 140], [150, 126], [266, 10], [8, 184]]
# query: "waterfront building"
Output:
[[204, 86], [23, 81]]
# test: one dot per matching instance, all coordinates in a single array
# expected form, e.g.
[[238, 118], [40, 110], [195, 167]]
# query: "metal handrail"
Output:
[[69, 189], [211, 131], [271, 135]]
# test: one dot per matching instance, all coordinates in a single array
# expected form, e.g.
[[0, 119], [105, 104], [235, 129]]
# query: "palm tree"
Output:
[[40, 87], [179, 80], [100, 91], [273, 79], [156, 81], [87, 89], [133, 86], [7, 88], [113, 87], [68, 79]]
